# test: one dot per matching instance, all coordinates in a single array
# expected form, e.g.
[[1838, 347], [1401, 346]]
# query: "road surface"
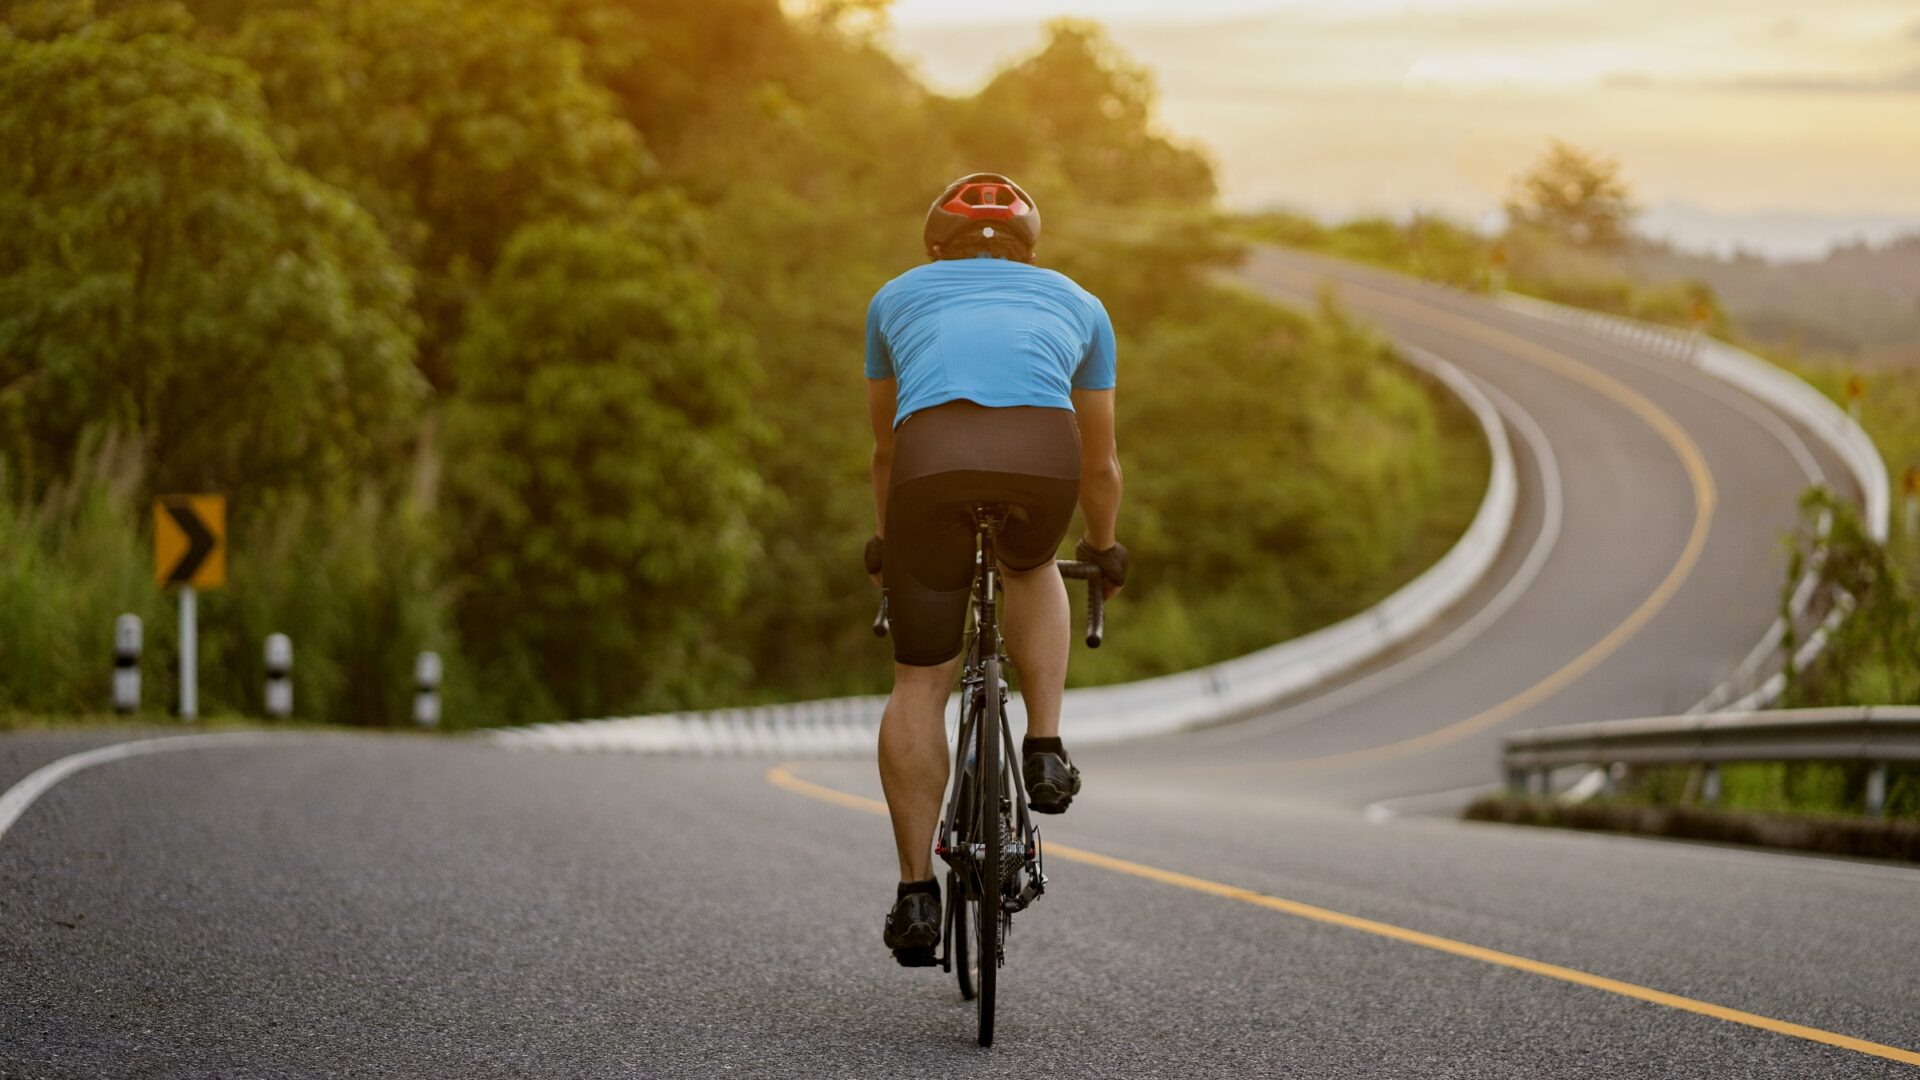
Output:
[[1241, 901]]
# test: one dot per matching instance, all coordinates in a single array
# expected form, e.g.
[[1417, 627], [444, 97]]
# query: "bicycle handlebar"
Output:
[[1081, 571], [1096, 598]]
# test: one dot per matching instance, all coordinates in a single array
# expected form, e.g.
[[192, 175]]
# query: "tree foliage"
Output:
[[1077, 117], [1574, 195], [164, 268], [453, 121], [529, 331], [599, 460]]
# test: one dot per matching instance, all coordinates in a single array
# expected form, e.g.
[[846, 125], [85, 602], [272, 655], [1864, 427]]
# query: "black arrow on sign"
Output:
[[200, 542]]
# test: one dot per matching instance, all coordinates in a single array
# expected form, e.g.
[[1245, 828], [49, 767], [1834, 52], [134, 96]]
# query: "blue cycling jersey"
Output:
[[991, 331]]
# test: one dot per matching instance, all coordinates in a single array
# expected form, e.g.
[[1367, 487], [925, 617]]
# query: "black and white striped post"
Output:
[[279, 661], [126, 664], [426, 683]]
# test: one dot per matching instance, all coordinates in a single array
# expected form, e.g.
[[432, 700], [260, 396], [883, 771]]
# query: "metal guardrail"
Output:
[[1874, 734]]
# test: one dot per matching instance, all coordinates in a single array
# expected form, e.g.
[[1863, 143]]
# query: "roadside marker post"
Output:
[[1856, 394], [1877, 790], [126, 664], [190, 554], [1910, 488], [279, 660], [426, 697]]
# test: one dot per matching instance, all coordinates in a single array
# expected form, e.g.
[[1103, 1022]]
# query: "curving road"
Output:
[[1241, 901]]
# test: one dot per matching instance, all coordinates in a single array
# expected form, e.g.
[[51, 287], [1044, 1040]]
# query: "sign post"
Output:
[[190, 553], [189, 654]]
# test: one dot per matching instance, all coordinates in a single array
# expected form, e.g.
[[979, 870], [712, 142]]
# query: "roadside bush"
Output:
[[1873, 657], [351, 582]]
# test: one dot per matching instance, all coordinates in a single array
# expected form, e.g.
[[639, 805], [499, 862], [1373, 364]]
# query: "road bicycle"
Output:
[[987, 836]]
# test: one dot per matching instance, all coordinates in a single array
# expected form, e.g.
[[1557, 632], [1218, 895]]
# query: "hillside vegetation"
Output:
[[530, 331], [1847, 323]]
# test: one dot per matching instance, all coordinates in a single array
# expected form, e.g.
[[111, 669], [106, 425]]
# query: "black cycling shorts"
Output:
[[944, 459]]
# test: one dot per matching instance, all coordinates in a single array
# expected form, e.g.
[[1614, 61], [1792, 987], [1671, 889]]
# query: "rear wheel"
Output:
[[987, 780], [960, 951], [961, 956]]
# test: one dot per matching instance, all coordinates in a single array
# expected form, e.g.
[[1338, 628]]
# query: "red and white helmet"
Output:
[[978, 202]]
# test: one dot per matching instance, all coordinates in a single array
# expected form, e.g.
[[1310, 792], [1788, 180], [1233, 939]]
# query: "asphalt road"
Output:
[[1222, 903]]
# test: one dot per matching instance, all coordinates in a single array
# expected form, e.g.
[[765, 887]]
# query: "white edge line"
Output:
[[38, 782], [1738, 370], [1553, 514], [1783, 433]]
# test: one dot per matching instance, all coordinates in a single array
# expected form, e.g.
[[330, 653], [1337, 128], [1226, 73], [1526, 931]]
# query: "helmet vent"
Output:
[[983, 204]]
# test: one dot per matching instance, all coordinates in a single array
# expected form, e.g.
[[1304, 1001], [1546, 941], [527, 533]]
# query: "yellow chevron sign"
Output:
[[190, 540]]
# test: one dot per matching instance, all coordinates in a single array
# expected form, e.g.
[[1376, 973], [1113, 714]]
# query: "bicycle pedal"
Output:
[[918, 957]]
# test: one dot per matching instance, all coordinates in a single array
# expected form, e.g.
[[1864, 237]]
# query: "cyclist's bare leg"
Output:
[[1037, 626], [913, 760]]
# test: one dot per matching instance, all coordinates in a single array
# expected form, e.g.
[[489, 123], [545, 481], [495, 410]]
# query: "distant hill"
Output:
[[1861, 301]]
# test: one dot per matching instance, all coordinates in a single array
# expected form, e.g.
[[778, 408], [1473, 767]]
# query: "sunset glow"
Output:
[[1763, 123]]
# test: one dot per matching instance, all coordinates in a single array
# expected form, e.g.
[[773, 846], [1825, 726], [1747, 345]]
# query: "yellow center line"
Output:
[[1704, 498], [782, 776]]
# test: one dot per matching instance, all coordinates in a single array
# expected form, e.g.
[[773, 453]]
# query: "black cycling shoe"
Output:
[[913, 926], [1052, 781]]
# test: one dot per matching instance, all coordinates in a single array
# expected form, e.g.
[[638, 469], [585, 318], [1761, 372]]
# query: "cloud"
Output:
[[1903, 82]]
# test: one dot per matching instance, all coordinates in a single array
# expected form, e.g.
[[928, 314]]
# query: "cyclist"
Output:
[[989, 379]]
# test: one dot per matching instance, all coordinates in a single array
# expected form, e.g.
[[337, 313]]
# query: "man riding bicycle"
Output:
[[989, 380]]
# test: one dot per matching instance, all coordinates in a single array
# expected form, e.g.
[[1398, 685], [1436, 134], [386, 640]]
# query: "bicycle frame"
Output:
[[983, 641]]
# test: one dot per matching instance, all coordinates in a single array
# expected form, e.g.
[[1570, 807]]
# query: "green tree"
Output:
[[164, 269], [1574, 195], [454, 121], [1081, 112], [599, 463]]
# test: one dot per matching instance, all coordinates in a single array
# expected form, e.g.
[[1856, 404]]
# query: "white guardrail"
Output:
[[1108, 714], [1780, 390]]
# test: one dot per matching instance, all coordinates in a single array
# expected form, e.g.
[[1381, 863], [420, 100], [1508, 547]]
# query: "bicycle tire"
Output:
[[962, 884], [987, 780], [960, 951]]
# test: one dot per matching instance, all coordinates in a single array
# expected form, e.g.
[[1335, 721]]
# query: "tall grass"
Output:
[[70, 562], [352, 580], [1797, 787], [1875, 658]]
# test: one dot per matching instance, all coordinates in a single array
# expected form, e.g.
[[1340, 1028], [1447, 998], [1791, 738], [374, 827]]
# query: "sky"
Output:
[[1775, 125]]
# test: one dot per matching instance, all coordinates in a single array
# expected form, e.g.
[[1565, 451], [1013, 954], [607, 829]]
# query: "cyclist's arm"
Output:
[[881, 402], [1099, 465]]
